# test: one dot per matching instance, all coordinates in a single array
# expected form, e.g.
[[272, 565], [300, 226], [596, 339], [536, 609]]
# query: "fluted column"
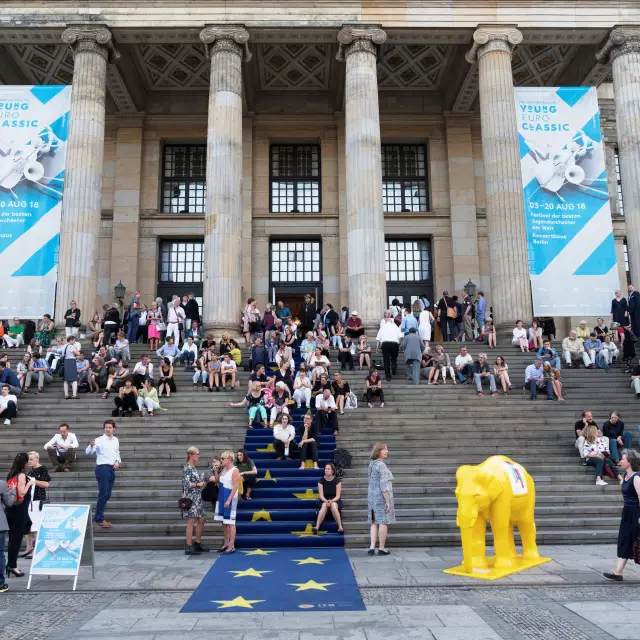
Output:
[[508, 257], [622, 49], [80, 226], [227, 47], [365, 219]]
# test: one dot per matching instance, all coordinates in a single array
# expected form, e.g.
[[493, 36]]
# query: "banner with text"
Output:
[[34, 122], [572, 258]]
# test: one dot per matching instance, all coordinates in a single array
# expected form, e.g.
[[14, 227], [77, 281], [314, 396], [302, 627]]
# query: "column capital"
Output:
[[621, 40], [231, 38], [359, 38], [94, 38], [488, 38]]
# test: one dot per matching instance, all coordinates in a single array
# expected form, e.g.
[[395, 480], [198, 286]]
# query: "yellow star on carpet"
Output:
[[308, 531], [257, 552], [248, 573], [311, 585], [309, 494], [311, 560], [267, 476], [269, 449], [236, 602], [261, 515]]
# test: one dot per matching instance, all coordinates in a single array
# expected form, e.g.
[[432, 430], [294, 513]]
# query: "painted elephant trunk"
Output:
[[472, 533]]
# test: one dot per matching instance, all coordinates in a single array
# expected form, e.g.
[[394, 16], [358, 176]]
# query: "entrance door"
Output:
[[181, 269], [293, 297]]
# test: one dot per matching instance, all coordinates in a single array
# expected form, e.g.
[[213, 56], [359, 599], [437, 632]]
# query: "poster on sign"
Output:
[[572, 258], [34, 123], [60, 541]]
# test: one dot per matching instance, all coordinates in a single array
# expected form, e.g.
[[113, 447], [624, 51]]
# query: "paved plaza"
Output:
[[138, 595]]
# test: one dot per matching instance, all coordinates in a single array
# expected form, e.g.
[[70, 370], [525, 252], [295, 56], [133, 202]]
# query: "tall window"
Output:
[[181, 261], [406, 260], [619, 182], [626, 262], [404, 177], [295, 261], [183, 178], [295, 178]]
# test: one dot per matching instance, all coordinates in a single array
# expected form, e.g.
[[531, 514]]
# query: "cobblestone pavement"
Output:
[[139, 595]]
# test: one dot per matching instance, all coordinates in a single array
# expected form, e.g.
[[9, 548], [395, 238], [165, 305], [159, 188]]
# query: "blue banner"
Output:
[[58, 548], [572, 259], [34, 122]]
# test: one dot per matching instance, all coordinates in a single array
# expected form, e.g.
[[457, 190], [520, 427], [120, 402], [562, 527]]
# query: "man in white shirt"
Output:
[[388, 340], [8, 405], [142, 371], [228, 370], [189, 354], [609, 350], [62, 449], [464, 365], [573, 350], [175, 315], [326, 411], [107, 450]]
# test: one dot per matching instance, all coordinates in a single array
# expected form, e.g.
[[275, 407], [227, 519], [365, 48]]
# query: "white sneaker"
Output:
[[601, 483], [7, 421], [382, 405]]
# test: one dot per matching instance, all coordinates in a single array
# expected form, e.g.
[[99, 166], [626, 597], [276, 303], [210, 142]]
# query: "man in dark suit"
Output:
[[633, 307], [307, 315], [329, 318]]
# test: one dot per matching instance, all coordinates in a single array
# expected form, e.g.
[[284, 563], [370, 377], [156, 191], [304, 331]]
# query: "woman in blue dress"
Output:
[[630, 521]]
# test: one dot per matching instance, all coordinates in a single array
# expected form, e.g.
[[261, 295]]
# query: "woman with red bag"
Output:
[[628, 536], [17, 482]]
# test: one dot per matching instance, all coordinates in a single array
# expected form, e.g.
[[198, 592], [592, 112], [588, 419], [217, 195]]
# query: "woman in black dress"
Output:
[[630, 521], [329, 490], [628, 348], [41, 477], [166, 383], [619, 309]]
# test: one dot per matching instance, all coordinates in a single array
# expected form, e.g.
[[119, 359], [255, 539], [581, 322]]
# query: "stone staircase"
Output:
[[430, 432]]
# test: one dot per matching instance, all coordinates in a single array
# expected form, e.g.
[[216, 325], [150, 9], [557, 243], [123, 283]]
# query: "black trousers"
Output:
[[448, 328], [390, 357], [346, 359], [278, 445], [138, 380], [126, 403], [248, 482], [327, 420], [16, 517], [309, 451]]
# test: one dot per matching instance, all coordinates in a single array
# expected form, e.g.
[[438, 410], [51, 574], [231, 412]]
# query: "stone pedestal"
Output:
[[622, 49], [510, 285], [222, 294], [80, 226], [365, 219]]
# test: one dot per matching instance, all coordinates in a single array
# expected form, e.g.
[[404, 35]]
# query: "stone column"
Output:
[[227, 47], [622, 50], [80, 226], [508, 257], [612, 177], [365, 219]]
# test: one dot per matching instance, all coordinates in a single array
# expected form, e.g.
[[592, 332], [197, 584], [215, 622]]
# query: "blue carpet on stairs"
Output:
[[278, 580]]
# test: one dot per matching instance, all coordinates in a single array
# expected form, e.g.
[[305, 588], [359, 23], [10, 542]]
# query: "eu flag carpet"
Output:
[[278, 580]]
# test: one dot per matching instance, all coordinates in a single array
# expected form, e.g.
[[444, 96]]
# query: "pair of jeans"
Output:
[[533, 386], [627, 441], [466, 373], [600, 463], [480, 379], [106, 476], [480, 318], [132, 332], [375, 392], [390, 357]]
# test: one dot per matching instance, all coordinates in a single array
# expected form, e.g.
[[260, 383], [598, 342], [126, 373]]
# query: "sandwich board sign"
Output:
[[60, 541]]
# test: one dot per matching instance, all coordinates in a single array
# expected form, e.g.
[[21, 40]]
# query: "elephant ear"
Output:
[[490, 483]]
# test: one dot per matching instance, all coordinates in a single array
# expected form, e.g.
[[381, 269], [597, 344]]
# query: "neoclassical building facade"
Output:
[[356, 150]]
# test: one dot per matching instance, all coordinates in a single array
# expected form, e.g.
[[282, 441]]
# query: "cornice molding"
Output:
[[232, 38], [621, 40]]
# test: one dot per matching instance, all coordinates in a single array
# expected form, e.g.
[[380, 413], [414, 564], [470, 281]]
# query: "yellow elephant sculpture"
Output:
[[501, 492]]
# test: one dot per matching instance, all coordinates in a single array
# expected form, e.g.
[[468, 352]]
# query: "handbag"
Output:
[[161, 326], [451, 313], [636, 551], [185, 504]]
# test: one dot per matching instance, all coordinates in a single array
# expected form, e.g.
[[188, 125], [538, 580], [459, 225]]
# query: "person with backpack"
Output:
[[19, 484]]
